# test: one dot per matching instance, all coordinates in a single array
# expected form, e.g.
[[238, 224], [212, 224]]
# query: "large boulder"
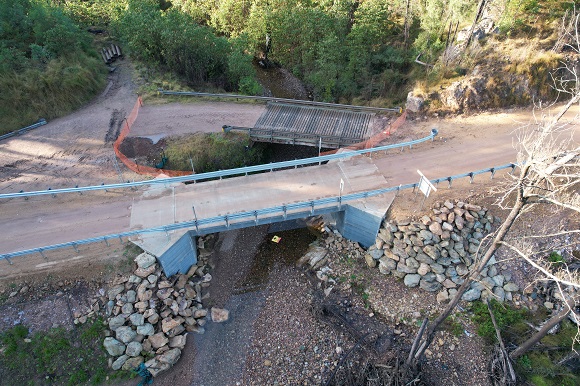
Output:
[[170, 357], [414, 103], [134, 349], [132, 363], [116, 322], [412, 280], [471, 295], [429, 286], [511, 287], [125, 334], [178, 341], [137, 319], [158, 340], [145, 329], [145, 260], [119, 362], [113, 346], [114, 291], [219, 315], [170, 323]]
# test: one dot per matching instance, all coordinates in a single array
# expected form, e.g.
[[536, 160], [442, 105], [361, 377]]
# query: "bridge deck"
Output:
[[310, 123], [163, 205]]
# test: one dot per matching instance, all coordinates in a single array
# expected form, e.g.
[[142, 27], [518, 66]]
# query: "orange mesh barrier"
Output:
[[139, 169], [375, 139]]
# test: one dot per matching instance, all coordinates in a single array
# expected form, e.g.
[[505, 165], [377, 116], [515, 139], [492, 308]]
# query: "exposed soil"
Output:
[[279, 82], [143, 150]]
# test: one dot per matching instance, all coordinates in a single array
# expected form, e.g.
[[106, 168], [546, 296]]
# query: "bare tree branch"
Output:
[[549, 275]]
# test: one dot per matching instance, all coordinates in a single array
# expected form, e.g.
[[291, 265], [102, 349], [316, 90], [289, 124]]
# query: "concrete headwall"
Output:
[[180, 256], [358, 225]]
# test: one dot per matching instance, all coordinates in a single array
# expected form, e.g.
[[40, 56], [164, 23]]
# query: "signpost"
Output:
[[340, 193], [425, 186]]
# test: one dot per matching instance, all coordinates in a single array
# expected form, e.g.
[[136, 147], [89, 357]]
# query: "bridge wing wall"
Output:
[[358, 225], [180, 256]]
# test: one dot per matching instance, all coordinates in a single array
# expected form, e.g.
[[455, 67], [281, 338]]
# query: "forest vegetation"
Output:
[[348, 51]]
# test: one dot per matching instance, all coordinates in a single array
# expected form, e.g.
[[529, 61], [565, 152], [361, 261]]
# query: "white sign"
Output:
[[341, 185], [425, 186]]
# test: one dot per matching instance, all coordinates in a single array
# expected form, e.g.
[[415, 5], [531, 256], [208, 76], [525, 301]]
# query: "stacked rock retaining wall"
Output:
[[437, 252], [149, 315]]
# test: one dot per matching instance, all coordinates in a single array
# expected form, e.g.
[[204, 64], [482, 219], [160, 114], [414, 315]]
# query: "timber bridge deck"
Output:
[[310, 125]]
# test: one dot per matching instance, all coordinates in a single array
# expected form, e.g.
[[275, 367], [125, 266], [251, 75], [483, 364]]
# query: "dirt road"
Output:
[[77, 150]]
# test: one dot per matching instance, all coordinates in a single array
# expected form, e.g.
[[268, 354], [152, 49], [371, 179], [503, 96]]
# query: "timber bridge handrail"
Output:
[[204, 226], [293, 137], [223, 173], [285, 100]]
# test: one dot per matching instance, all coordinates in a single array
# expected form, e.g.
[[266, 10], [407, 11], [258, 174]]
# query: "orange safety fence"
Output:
[[375, 139], [139, 169]]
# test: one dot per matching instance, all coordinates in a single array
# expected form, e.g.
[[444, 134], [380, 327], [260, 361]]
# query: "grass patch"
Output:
[[505, 316], [453, 326], [213, 151], [56, 357], [556, 258], [64, 85], [539, 366]]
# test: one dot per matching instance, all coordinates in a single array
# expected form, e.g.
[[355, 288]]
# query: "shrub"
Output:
[[505, 316]]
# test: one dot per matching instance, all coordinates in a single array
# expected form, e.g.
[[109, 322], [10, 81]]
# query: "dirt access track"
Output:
[[77, 150]]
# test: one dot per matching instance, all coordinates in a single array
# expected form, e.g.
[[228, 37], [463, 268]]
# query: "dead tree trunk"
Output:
[[475, 21], [524, 189], [496, 243], [501, 367], [554, 320]]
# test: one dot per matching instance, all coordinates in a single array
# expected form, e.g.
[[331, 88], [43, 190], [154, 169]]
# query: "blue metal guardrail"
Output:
[[204, 226], [40, 122], [273, 99], [224, 173]]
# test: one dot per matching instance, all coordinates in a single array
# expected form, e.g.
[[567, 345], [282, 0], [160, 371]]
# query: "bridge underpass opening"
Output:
[[358, 221]]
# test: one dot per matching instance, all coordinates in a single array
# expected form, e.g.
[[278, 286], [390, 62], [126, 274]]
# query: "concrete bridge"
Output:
[[122, 211], [96, 216], [180, 203]]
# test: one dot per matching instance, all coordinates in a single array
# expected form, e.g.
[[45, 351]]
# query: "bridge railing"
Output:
[[225, 173], [208, 225], [40, 122], [292, 137], [284, 100]]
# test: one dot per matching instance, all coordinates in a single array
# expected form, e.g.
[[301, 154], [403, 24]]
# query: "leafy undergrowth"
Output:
[[56, 357], [212, 152], [49, 66], [548, 363]]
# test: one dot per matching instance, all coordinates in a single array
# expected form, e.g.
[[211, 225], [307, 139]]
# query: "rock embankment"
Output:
[[149, 315], [437, 252]]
